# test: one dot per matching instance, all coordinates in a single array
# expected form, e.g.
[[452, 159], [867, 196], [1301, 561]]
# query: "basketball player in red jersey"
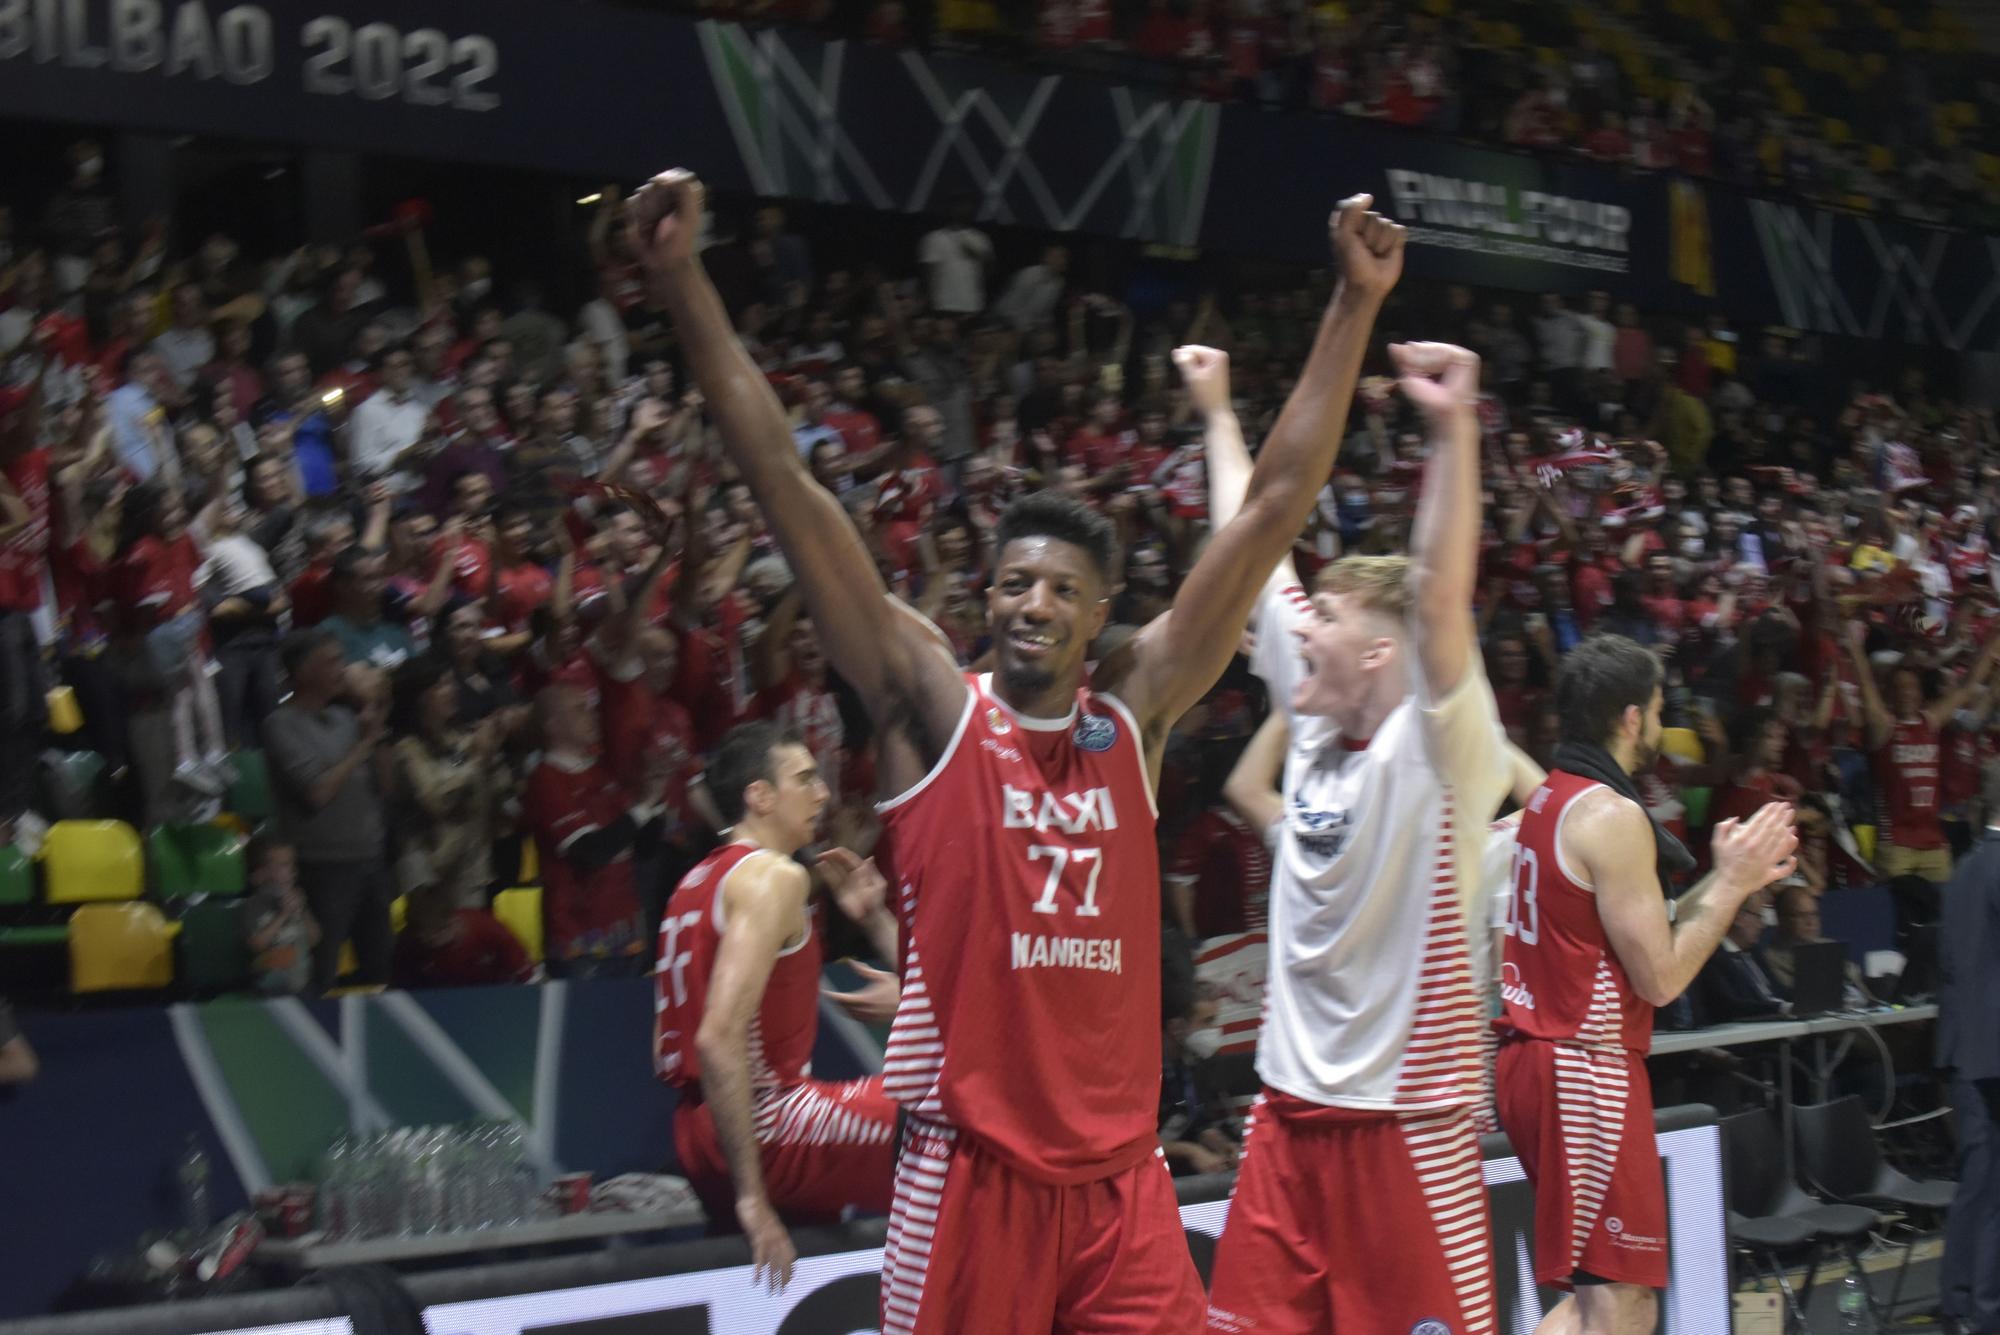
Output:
[[737, 1010], [1908, 755], [1020, 837], [1589, 952]]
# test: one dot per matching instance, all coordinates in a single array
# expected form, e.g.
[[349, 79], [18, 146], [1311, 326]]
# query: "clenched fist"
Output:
[[1368, 247]]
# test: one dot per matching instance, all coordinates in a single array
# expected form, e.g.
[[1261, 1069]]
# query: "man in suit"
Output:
[[1798, 925], [1968, 1046], [1733, 984]]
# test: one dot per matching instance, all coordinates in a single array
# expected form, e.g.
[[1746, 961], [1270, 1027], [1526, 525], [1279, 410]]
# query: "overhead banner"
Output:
[[1853, 274], [1475, 215]]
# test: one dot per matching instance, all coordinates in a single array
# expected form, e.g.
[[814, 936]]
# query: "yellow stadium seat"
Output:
[[1791, 102], [531, 864], [349, 961], [1835, 129], [1987, 164], [1684, 744], [1864, 840], [399, 913], [119, 947], [1946, 138], [92, 860], [520, 911], [1879, 158], [65, 715]]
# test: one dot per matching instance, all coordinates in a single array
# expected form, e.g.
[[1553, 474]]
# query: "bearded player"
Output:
[[1030, 1191], [737, 1011], [1590, 950], [1370, 1054]]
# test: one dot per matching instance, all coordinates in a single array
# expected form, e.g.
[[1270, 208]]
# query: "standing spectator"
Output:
[[933, 362], [1600, 336], [448, 781], [537, 336], [309, 420], [187, 345], [1908, 755], [278, 927], [956, 258], [1733, 985], [585, 825], [138, 420], [1968, 1048], [388, 422], [329, 772], [1031, 296], [1631, 348], [246, 603], [325, 333], [359, 577], [1561, 338]]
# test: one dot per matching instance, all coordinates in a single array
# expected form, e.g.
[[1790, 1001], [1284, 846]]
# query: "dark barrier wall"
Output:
[[611, 92], [265, 1085], [705, 1288]]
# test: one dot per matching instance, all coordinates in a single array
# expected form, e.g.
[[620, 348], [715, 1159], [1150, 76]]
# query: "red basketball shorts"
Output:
[[826, 1145], [1345, 1221], [1582, 1123], [977, 1248]]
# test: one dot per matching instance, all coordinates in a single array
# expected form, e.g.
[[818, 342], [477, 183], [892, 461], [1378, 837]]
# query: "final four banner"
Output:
[[1483, 216]]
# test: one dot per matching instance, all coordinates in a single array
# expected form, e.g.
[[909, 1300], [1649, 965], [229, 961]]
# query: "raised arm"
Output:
[[1955, 699], [1252, 786], [1206, 371], [1180, 655], [1611, 840], [892, 664], [1873, 711], [1443, 381], [764, 909]]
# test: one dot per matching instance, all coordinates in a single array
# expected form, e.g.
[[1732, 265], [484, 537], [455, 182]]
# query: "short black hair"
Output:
[[347, 561], [1054, 514], [261, 845], [744, 758], [413, 681], [303, 644], [1600, 678]]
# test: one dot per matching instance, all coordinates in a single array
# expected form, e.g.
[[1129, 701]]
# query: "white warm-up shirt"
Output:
[[1376, 888]]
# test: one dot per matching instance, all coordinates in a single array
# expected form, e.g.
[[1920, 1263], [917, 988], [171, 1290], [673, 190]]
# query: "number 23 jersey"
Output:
[[1027, 880]]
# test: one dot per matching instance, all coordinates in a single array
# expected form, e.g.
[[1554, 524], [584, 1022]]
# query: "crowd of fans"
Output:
[[1852, 104], [472, 573]]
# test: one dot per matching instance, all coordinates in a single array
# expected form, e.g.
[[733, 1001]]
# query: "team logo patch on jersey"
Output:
[[1430, 1326], [1095, 732], [1321, 832], [997, 723]]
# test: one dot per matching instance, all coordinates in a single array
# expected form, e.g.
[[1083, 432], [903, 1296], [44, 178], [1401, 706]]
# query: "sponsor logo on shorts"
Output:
[[1095, 732], [1430, 1326], [1229, 1323], [1637, 1242]]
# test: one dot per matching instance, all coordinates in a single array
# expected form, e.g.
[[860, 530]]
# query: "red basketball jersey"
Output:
[[1559, 977], [1028, 885], [1906, 771], [787, 1019]]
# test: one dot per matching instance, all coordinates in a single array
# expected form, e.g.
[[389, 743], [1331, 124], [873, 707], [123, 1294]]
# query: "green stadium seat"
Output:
[[17, 878], [250, 796], [186, 860], [213, 955]]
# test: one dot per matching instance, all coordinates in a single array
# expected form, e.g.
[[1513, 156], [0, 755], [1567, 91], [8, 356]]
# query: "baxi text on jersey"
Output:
[[1105, 954], [1071, 813]]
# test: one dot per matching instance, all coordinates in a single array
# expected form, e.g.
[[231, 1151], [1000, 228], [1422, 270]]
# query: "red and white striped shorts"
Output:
[[1581, 1120], [826, 1145], [1353, 1220]]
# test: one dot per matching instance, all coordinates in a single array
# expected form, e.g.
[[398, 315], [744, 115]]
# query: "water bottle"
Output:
[[1853, 1306], [191, 1174], [334, 1203]]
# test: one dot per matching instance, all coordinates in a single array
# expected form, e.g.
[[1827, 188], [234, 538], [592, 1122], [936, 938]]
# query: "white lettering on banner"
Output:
[[193, 39], [1090, 809], [1496, 219], [1102, 954]]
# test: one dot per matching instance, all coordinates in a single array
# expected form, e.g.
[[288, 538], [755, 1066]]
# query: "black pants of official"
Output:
[[1971, 1282], [350, 902]]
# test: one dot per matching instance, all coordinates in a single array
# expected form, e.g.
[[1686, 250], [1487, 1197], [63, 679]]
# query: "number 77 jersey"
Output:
[[1027, 881], [1560, 979]]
